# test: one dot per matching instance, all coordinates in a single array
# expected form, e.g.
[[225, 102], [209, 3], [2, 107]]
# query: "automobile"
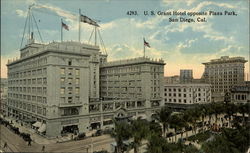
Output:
[[169, 134], [80, 136], [98, 133]]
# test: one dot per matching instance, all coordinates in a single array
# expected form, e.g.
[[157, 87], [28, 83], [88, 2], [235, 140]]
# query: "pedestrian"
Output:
[[43, 148], [5, 145], [29, 142]]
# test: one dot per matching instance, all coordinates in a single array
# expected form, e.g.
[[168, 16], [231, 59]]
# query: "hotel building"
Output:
[[56, 87]]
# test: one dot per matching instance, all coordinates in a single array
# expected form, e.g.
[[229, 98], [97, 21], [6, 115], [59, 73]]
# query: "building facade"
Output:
[[56, 87], [186, 76], [223, 74], [183, 96], [240, 93], [3, 96]]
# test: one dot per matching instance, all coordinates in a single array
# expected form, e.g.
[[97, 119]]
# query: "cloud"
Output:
[[57, 10], [21, 13]]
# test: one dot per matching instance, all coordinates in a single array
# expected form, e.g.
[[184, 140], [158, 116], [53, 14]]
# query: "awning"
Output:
[[142, 116], [42, 128], [37, 124]]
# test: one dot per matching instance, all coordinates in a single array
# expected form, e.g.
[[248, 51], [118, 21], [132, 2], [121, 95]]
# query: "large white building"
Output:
[[223, 74], [56, 87], [186, 95]]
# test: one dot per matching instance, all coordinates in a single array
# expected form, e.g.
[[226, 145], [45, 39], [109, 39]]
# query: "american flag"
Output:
[[146, 43], [65, 26]]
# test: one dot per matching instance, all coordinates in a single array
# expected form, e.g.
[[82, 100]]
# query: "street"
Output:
[[16, 144]]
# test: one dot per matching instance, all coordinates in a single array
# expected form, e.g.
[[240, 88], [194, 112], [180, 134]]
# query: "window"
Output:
[[63, 71], [77, 90], [62, 80], [77, 81], [69, 62], [70, 71], [69, 99], [77, 72], [62, 90], [70, 80], [70, 89], [77, 98]]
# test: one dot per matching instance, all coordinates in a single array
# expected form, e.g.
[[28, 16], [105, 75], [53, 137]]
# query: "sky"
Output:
[[182, 45]]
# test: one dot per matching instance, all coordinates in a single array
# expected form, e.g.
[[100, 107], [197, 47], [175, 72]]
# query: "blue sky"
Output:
[[181, 45]]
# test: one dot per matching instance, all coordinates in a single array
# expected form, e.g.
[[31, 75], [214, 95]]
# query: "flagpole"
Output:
[[143, 48], [61, 31], [79, 34]]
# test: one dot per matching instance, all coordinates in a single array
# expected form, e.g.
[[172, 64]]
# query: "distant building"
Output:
[[186, 76], [223, 74], [240, 93], [183, 96], [172, 79], [3, 96]]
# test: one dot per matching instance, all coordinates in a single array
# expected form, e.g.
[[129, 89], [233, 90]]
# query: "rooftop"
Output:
[[226, 59], [134, 61]]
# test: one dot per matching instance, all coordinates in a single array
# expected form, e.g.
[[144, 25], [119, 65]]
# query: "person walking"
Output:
[[43, 148], [29, 142], [5, 145]]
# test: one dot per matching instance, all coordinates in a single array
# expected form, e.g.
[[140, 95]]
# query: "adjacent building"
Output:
[[182, 96], [240, 93], [3, 96], [223, 74]]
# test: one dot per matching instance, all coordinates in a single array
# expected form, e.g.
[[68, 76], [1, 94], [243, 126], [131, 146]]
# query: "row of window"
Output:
[[33, 90], [186, 101], [32, 81], [184, 95], [69, 71], [31, 98], [70, 99], [185, 89], [28, 73], [29, 107], [70, 90]]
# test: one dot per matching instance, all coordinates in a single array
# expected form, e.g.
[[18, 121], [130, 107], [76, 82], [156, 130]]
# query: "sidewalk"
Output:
[[35, 136]]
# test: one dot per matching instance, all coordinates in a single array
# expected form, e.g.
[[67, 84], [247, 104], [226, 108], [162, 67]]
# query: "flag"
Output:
[[146, 43], [65, 26], [88, 20]]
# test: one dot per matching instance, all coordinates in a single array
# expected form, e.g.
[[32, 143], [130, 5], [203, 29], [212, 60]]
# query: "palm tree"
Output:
[[121, 132], [243, 109], [163, 117], [177, 123], [156, 144], [155, 128], [230, 109], [139, 131], [203, 113]]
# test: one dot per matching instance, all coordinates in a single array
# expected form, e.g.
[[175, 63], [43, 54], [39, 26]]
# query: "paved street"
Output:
[[17, 144]]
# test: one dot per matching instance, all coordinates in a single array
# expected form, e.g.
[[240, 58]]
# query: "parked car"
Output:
[[80, 136]]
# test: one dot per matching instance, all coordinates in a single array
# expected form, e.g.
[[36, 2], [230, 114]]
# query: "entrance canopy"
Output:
[[42, 128], [37, 124]]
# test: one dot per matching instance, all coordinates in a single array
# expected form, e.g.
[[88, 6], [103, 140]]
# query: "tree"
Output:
[[156, 144], [121, 132], [243, 109], [139, 131], [177, 123], [163, 116], [155, 128]]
